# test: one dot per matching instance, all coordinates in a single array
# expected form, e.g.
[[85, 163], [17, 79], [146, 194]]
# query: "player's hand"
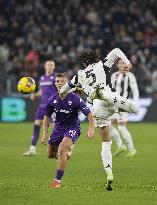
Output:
[[128, 67], [44, 140], [32, 97], [90, 134]]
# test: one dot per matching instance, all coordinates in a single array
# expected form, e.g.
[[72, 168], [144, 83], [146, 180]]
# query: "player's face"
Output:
[[122, 66], [49, 67], [60, 81]]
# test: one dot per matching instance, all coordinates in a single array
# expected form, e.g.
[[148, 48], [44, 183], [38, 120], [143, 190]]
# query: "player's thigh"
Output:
[[65, 144], [113, 119], [101, 114], [105, 134], [103, 108], [52, 150], [122, 123]]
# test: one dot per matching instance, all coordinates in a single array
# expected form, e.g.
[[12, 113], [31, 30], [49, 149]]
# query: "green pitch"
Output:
[[25, 180]]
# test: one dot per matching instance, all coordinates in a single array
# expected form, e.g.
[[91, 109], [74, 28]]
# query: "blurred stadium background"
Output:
[[33, 31]]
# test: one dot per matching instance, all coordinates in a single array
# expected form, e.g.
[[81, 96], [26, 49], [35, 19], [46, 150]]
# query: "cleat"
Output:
[[121, 149], [30, 153], [55, 184], [131, 153], [109, 182]]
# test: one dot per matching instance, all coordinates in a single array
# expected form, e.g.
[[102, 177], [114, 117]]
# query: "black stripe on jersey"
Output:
[[108, 75], [122, 85], [76, 79], [129, 88]]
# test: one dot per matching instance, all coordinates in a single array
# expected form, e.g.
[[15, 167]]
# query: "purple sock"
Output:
[[59, 174], [35, 134]]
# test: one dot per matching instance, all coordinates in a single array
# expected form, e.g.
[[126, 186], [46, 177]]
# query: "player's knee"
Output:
[[104, 133], [52, 155], [62, 150]]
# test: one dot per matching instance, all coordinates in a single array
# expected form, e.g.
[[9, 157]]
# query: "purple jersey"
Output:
[[48, 88], [66, 110]]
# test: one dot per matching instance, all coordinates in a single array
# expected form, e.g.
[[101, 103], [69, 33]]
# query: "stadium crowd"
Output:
[[33, 31]]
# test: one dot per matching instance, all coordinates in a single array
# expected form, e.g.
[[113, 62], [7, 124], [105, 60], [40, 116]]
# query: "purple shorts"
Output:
[[40, 113], [58, 134]]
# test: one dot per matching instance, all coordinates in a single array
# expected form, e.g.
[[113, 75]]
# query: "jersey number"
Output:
[[90, 74]]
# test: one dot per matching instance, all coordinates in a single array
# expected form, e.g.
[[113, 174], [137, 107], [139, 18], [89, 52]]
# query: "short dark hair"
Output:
[[61, 75], [88, 57]]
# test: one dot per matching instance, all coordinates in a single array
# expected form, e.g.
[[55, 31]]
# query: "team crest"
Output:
[[55, 101], [69, 102]]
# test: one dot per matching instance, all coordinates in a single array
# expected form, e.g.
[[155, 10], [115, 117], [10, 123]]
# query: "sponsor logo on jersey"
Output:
[[46, 83], [65, 111], [55, 101]]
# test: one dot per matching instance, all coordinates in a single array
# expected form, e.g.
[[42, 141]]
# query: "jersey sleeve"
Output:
[[113, 55], [74, 82], [49, 109], [70, 85], [82, 106]]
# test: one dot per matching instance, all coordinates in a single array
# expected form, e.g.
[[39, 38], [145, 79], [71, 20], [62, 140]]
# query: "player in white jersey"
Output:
[[124, 82], [95, 81]]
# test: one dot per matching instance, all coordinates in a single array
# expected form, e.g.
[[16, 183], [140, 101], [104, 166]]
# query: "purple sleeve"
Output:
[[49, 107], [82, 106]]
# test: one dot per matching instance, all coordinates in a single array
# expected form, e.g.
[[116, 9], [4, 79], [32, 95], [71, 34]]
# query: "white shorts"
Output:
[[102, 111], [120, 116]]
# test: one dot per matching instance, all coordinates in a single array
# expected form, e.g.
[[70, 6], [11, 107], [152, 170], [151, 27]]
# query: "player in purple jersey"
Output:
[[47, 89], [67, 126]]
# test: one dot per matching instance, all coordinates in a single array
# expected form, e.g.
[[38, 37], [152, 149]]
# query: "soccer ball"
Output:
[[26, 85]]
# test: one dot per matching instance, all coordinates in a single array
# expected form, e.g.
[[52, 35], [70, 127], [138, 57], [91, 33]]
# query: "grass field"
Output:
[[25, 180]]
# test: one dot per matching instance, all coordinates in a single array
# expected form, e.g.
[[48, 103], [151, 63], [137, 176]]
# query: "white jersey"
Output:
[[89, 79], [96, 75], [125, 84]]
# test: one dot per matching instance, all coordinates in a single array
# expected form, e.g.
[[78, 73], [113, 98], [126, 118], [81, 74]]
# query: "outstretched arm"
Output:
[[68, 87], [113, 55], [65, 89], [35, 95]]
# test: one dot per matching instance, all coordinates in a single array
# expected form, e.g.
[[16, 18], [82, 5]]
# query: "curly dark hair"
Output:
[[88, 57]]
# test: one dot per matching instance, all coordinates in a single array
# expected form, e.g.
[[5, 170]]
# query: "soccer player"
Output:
[[95, 81], [47, 89], [125, 84], [67, 126]]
